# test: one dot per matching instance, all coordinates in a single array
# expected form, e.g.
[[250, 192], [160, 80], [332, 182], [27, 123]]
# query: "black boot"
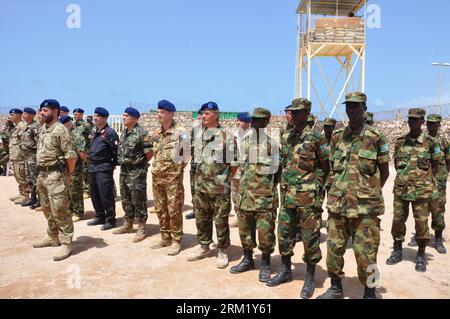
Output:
[[421, 263], [247, 263], [298, 235], [191, 215], [264, 271], [396, 255], [284, 275], [439, 245], [334, 292], [310, 284], [370, 293], [96, 221], [32, 200], [36, 205]]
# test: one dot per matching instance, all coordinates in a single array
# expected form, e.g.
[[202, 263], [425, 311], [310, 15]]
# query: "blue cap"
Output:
[[287, 108], [15, 111], [29, 110], [212, 106], [244, 117], [78, 111], [64, 119], [166, 105], [64, 109], [52, 104], [101, 111], [133, 112]]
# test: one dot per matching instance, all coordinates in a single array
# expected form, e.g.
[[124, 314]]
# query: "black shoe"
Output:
[[284, 275], [264, 268], [310, 284], [96, 221], [29, 203], [334, 292], [421, 263], [298, 235], [247, 263], [370, 293], [439, 245], [397, 255], [34, 206], [191, 215], [108, 226]]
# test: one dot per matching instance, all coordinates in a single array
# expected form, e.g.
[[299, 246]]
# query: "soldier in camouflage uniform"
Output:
[[5, 135], [91, 127], [437, 204], [303, 152], [359, 155], [416, 158], [213, 186], [135, 151], [311, 120], [257, 194], [171, 152], [28, 145], [369, 118], [56, 159]]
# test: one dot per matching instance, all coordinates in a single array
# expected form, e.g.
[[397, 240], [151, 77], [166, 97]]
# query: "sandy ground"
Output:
[[104, 265]]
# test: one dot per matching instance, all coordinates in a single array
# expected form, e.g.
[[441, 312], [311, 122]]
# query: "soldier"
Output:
[[170, 142], [417, 157], [303, 152], [103, 161], [369, 118], [258, 195], [5, 135], [135, 151], [311, 120], [213, 187], [55, 161], [289, 122], [64, 111], [359, 154], [28, 145], [90, 125], [329, 125], [437, 204], [16, 157]]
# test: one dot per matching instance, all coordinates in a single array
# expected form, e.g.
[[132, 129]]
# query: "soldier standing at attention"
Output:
[[55, 161], [329, 125], [171, 151], [437, 205], [5, 135], [359, 156], [303, 152], [64, 111], [103, 161], [28, 145], [258, 195], [135, 151], [90, 125], [213, 186], [417, 157]]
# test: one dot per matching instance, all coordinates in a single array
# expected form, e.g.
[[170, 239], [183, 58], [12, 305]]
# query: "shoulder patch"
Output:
[[385, 148]]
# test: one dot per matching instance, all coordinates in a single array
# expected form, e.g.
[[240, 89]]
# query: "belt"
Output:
[[50, 168], [133, 166]]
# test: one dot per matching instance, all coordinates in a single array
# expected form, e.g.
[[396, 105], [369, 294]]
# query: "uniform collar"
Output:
[[132, 130], [103, 129], [51, 128], [420, 139], [305, 131], [169, 130], [348, 130]]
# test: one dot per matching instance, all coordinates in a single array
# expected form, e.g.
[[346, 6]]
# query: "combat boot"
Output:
[[174, 249], [21, 200], [298, 235], [284, 275], [370, 293], [310, 284], [47, 242], [36, 206], [76, 218], [222, 258], [126, 228], [247, 263], [191, 215], [64, 252], [264, 268], [161, 243], [334, 292], [421, 263], [397, 254], [201, 252], [32, 200], [439, 245], [140, 234]]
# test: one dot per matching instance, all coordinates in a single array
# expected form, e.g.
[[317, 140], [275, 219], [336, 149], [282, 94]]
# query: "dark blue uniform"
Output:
[[102, 160]]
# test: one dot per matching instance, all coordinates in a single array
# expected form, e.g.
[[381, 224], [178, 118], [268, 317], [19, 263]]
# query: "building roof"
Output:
[[331, 7]]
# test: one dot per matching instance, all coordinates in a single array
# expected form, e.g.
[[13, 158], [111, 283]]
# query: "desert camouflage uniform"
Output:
[[17, 159], [91, 131], [28, 145]]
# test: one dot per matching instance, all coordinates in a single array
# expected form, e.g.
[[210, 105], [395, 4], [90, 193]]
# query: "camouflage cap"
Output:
[[357, 97], [435, 118], [329, 122], [311, 118], [261, 113], [369, 116], [417, 113], [300, 104]]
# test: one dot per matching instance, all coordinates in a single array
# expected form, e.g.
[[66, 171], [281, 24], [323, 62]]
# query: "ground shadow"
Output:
[[354, 290], [150, 203], [84, 243], [410, 254], [89, 215], [186, 208], [234, 253], [299, 273], [189, 241]]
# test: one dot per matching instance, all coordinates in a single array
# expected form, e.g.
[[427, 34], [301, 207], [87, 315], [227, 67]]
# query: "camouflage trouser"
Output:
[[20, 175], [192, 179], [261, 221], [365, 234], [212, 207], [86, 176], [437, 209], [169, 200], [309, 221], [234, 193], [76, 190], [133, 190], [31, 171], [420, 212], [54, 197]]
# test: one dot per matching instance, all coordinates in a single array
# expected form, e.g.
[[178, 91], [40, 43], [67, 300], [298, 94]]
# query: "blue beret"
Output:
[[64, 109], [52, 104], [133, 112], [78, 111], [244, 117], [287, 108], [29, 110], [15, 111], [101, 111], [210, 106], [166, 105], [64, 119]]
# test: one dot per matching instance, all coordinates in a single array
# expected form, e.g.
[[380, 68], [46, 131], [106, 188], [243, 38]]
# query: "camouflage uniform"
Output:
[[18, 159], [54, 147], [355, 199], [5, 135], [133, 147], [236, 178], [167, 180], [28, 145], [413, 184], [91, 131]]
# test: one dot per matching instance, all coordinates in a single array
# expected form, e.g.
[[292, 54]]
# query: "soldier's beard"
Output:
[[48, 119]]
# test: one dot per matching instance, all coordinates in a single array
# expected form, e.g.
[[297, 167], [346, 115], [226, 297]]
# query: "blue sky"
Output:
[[240, 54]]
